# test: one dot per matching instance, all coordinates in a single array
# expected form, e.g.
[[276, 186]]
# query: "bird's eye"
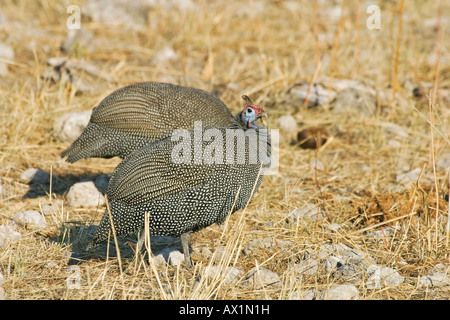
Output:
[[249, 110]]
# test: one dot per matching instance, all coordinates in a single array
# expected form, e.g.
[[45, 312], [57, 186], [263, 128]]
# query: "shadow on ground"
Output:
[[60, 185], [77, 234]]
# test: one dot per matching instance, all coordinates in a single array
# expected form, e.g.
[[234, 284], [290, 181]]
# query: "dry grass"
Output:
[[261, 53]]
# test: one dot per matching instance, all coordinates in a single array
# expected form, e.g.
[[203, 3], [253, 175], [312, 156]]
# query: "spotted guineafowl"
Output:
[[132, 116], [183, 189]]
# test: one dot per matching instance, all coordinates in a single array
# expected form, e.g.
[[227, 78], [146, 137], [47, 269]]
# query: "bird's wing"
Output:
[[150, 174], [152, 109]]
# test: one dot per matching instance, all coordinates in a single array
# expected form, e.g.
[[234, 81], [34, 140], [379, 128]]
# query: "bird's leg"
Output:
[[141, 240], [185, 243]]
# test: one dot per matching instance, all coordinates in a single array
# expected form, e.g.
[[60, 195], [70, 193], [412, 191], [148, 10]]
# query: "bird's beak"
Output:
[[261, 116]]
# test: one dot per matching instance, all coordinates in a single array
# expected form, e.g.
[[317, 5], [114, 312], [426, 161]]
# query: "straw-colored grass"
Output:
[[259, 48]]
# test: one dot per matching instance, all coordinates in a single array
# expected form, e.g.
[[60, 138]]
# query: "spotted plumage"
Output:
[[132, 116], [185, 197]]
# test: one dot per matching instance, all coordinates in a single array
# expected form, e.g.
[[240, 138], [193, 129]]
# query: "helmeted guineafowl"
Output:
[[185, 190], [132, 116]]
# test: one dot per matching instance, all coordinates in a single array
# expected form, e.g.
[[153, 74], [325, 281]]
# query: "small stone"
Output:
[[172, 256], [7, 53], [412, 176], [436, 280], [438, 277], [443, 161], [221, 253], [30, 219], [33, 175], [350, 273], [354, 101], [50, 209], [287, 124], [70, 125], [308, 266], [309, 212], [333, 226], [393, 143], [85, 194], [270, 243], [332, 263], [386, 233], [383, 277], [262, 277], [311, 294], [230, 275], [117, 12], [342, 292], [317, 95], [344, 252], [2, 191], [316, 165], [164, 56], [8, 235], [50, 265]]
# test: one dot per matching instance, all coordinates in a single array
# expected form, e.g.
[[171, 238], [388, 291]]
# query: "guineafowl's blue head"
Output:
[[251, 113]]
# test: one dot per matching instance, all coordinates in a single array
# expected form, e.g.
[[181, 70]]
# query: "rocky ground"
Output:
[[358, 208]]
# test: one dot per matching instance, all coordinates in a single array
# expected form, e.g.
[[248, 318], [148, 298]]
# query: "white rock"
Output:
[[2, 279], [70, 125], [342, 292], [383, 277], [333, 226], [221, 252], [436, 280], [311, 294], [117, 12], [393, 143], [7, 53], [181, 5], [85, 194], [262, 277], [350, 273], [316, 164], [394, 130], [8, 235], [443, 161], [381, 235], [344, 253], [51, 209], [171, 256], [309, 212], [270, 243], [230, 275], [410, 177], [2, 191], [33, 175], [305, 267], [318, 95], [292, 6], [352, 100], [331, 263], [438, 277], [30, 219], [164, 55], [3, 18], [287, 124]]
